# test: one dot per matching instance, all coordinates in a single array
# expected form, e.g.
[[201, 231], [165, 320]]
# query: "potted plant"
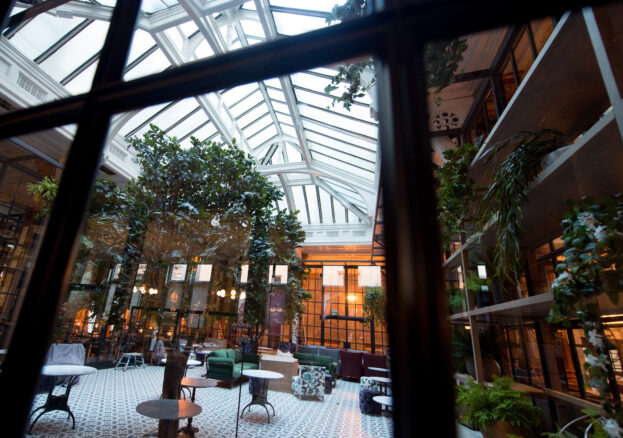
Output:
[[497, 409]]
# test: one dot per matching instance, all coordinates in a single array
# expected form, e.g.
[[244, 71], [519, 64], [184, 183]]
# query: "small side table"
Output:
[[258, 386], [168, 410], [384, 383], [194, 383], [385, 402]]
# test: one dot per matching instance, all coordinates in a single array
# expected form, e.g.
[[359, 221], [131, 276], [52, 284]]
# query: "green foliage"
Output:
[[374, 304], [204, 201], [506, 196], [592, 265], [441, 60], [456, 298], [597, 429], [483, 405], [456, 190], [43, 192]]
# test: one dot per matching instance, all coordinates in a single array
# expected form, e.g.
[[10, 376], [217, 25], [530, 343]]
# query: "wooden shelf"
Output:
[[530, 308], [549, 96]]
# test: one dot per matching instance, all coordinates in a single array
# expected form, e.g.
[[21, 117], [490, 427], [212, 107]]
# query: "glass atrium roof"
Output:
[[324, 157]]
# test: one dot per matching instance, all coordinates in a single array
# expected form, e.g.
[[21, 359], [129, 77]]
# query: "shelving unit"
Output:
[[566, 89]]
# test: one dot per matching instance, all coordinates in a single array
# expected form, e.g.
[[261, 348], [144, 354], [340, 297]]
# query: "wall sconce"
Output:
[[140, 289], [351, 297], [221, 293], [153, 291]]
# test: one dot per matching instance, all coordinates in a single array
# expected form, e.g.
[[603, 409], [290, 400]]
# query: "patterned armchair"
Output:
[[368, 383], [309, 382]]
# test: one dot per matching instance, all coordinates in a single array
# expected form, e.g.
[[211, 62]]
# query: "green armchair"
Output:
[[227, 364], [317, 360]]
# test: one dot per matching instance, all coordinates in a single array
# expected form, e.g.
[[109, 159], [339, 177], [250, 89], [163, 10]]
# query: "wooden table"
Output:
[[59, 402], [258, 387], [194, 383]]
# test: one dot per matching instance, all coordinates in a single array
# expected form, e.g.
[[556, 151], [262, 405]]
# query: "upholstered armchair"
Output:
[[309, 382]]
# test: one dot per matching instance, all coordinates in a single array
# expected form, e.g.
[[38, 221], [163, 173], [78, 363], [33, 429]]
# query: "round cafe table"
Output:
[[385, 401], [380, 370], [168, 410], [189, 363], [384, 382], [194, 383], [59, 402], [258, 386]]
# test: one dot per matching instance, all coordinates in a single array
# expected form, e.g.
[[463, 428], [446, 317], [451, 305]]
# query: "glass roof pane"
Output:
[[255, 113], [174, 36], [233, 95], [367, 154], [315, 5], [355, 139], [280, 106], [154, 63], [282, 204], [324, 101], [141, 41], [76, 51], [273, 82], [294, 154], [203, 50], [276, 95], [247, 103], [205, 132], [188, 125], [285, 119], [340, 212], [312, 203], [140, 118], [263, 137], [325, 204], [299, 203], [253, 28], [288, 130], [82, 82], [151, 6], [338, 155], [41, 32], [294, 24], [188, 28], [172, 115], [339, 121], [342, 166], [318, 84], [257, 126]]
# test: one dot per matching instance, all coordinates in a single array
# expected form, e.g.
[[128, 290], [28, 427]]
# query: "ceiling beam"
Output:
[[345, 202]]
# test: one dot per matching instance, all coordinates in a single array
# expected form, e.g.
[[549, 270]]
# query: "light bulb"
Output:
[[243, 295]]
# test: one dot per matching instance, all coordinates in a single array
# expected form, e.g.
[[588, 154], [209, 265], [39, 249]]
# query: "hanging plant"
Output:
[[457, 191], [593, 264], [504, 200], [441, 61]]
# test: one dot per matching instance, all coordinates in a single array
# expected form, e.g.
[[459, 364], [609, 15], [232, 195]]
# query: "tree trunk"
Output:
[[171, 387]]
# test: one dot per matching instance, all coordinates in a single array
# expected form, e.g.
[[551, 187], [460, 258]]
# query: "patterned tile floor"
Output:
[[105, 403]]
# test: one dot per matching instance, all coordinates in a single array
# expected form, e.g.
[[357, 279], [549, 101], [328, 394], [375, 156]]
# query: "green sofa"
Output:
[[227, 364], [317, 360]]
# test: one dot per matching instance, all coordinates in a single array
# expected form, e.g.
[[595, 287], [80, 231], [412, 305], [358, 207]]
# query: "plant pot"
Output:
[[501, 429], [490, 367]]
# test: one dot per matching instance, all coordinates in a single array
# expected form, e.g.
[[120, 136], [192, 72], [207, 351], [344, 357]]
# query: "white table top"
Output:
[[67, 370], [189, 363], [262, 374], [164, 409], [381, 370], [277, 358], [380, 379], [383, 400]]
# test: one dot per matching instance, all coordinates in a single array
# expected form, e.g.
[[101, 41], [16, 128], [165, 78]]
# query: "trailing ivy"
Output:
[[441, 60], [505, 198], [592, 265], [457, 191]]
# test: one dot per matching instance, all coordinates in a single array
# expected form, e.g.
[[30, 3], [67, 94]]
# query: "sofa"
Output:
[[333, 353], [352, 364], [227, 364], [317, 360]]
